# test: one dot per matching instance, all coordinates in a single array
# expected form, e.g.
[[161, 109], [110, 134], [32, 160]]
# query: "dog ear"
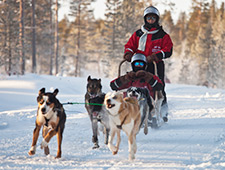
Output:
[[42, 91], [89, 78], [55, 92], [145, 91], [120, 95], [99, 80]]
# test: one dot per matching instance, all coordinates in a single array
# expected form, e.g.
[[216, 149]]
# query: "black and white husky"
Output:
[[150, 108], [145, 104]]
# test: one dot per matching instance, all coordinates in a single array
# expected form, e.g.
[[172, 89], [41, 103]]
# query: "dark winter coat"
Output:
[[153, 85]]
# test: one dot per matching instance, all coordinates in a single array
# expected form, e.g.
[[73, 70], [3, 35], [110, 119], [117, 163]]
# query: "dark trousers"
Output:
[[161, 75]]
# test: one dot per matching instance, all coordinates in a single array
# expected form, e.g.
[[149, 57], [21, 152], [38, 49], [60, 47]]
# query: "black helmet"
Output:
[[151, 10], [138, 57]]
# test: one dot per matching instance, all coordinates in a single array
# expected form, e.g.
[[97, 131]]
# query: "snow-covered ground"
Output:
[[194, 137]]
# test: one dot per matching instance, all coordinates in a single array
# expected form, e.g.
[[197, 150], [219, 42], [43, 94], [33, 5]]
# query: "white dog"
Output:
[[124, 114]]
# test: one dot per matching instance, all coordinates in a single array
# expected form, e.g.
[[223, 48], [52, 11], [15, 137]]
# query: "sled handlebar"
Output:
[[120, 67]]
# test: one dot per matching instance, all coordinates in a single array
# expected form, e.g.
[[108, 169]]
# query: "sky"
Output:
[[99, 7], [180, 5]]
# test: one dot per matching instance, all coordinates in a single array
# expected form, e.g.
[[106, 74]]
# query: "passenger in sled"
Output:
[[139, 77]]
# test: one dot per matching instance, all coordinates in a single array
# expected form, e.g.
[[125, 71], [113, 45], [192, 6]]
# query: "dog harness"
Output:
[[54, 109], [120, 126], [46, 121]]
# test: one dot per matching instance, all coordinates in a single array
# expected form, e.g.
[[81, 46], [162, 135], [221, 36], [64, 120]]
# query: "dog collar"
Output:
[[93, 96]]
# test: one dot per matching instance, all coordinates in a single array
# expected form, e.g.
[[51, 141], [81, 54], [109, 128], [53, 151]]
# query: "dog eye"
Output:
[[48, 103], [92, 86], [114, 97], [41, 102]]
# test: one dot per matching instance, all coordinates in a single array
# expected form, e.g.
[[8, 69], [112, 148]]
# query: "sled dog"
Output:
[[99, 114], [124, 114], [51, 116], [145, 103], [96, 113]]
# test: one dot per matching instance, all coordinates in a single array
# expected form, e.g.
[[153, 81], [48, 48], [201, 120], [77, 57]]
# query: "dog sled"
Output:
[[155, 118]]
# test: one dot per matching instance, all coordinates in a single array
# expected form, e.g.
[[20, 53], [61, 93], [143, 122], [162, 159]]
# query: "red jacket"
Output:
[[159, 43], [153, 85]]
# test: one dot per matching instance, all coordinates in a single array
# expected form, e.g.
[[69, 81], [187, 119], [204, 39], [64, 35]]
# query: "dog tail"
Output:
[[131, 100]]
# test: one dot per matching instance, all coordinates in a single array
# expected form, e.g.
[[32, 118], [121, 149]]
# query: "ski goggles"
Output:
[[139, 64], [150, 18]]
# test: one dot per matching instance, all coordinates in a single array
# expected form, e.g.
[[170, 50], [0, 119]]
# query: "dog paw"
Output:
[[44, 144], [57, 157], [113, 149], [59, 153], [115, 152], [32, 150], [131, 157], [146, 130], [46, 149], [106, 142], [95, 146], [31, 153], [165, 119]]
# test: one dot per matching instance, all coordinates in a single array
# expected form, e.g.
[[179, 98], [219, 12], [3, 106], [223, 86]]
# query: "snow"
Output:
[[193, 138]]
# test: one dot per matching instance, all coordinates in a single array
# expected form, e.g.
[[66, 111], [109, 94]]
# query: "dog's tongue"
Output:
[[134, 97], [95, 114]]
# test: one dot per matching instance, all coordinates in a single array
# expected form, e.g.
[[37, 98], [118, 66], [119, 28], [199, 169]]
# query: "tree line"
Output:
[[34, 41]]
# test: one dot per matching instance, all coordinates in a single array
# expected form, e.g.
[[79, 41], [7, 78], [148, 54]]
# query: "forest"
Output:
[[33, 40]]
